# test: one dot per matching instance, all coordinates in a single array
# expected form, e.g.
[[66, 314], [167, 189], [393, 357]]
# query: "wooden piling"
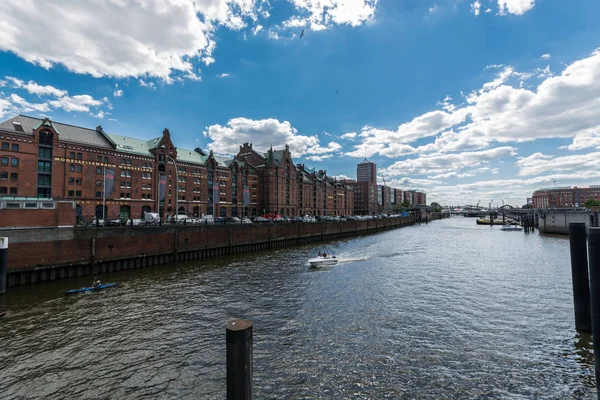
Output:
[[3, 263], [594, 266], [579, 273], [239, 360]]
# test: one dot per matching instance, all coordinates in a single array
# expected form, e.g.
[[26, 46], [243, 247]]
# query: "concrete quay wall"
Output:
[[46, 254]]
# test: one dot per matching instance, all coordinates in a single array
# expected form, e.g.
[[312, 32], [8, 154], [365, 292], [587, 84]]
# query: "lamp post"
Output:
[[177, 188]]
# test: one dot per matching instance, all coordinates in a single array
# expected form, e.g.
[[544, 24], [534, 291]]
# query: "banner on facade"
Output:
[[109, 182], [162, 186], [215, 191], [246, 196]]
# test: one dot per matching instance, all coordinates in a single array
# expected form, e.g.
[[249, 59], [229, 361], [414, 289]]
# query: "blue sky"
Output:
[[474, 100]]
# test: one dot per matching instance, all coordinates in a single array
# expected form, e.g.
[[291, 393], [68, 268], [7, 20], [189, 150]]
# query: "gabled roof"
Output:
[[67, 133]]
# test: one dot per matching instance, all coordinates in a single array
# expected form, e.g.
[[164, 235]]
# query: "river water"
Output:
[[449, 310]]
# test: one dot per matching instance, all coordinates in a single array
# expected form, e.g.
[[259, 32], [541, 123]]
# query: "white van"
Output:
[[151, 218]]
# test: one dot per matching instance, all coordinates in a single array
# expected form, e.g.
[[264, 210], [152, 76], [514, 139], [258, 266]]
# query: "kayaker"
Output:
[[96, 283]]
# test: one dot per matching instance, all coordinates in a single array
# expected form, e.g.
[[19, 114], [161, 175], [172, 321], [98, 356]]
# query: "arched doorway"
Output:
[[124, 212], [196, 212], [223, 212], [145, 209], [234, 212], [78, 214], [100, 214], [254, 212], [181, 211]]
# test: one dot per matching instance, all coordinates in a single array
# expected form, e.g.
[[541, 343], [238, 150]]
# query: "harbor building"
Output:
[[565, 197], [116, 177], [366, 171]]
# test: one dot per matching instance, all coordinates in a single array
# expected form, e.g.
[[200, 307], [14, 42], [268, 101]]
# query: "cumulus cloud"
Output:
[[320, 14], [516, 7], [266, 133], [476, 7], [538, 163], [47, 98], [117, 92], [545, 56], [432, 164], [350, 135], [562, 105]]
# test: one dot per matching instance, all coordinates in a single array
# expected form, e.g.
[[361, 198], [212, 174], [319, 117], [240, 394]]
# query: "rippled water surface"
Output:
[[449, 310]]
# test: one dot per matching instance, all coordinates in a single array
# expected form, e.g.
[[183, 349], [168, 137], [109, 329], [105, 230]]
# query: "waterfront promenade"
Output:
[[448, 310]]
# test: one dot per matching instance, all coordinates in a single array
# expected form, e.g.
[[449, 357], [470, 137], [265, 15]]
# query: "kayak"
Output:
[[2, 314], [91, 289]]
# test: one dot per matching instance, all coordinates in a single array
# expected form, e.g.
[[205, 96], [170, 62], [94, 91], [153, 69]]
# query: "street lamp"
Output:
[[177, 187]]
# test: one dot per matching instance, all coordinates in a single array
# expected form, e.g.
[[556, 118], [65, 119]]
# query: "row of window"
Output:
[[5, 190], [7, 146], [75, 168], [74, 181], [14, 162], [13, 176]]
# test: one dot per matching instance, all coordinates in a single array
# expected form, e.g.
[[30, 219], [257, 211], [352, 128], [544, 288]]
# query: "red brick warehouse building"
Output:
[[45, 159]]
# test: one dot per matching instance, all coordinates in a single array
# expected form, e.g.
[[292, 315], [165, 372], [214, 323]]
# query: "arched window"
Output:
[[145, 209], [78, 213], [196, 212], [124, 212], [181, 211], [234, 212], [254, 212], [100, 214]]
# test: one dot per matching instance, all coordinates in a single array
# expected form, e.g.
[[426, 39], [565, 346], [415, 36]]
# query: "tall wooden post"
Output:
[[3, 263], [579, 273], [594, 259], [239, 360]]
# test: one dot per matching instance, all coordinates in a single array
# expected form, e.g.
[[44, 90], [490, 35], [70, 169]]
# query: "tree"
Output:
[[435, 207], [528, 206], [591, 203], [405, 204]]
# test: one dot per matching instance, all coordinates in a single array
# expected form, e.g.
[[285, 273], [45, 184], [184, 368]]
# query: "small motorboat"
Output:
[[2, 313], [91, 288], [512, 227], [323, 260]]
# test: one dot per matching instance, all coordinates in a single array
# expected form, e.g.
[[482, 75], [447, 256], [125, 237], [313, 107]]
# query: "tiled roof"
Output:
[[68, 133], [134, 146]]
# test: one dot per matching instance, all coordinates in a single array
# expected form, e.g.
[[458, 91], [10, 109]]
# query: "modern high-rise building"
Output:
[[366, 171]]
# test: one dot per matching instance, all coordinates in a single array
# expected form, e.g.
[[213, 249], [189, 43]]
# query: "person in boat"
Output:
[[96, 283]]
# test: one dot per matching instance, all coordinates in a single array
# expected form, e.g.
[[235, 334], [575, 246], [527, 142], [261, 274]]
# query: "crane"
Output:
[[383, 177]]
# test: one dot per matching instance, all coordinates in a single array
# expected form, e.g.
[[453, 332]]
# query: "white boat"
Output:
[[512, 227], [321, 261]]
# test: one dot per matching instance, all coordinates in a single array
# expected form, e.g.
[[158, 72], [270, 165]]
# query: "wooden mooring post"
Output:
[[239, 360], [3, 263], [594, 266], [579, 274]]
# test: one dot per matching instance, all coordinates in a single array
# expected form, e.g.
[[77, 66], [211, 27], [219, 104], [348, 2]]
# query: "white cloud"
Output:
[[476, 7], [143, 83], [223, 75], [342, 177], [100, 114], [563, 105], [148, 38], [434, 164], [489, 10], [261, 133], [319, 158], [516, 7], [117, 92], [538, 163], [545, 56], [433, 9], [34, 88], [350, 135], [320, 14], [14, 103], [273, 35], [257, 29]]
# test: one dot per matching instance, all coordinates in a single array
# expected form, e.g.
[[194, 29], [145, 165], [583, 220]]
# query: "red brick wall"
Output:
[[62, 215]]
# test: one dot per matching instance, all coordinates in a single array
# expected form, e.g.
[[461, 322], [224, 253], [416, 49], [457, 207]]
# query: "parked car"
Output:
[[233, 220], [296, 219], [220, 220], [246, 221], [262, 220]]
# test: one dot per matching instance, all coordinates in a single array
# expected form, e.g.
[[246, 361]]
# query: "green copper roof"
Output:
[[190, 156], [134, 146]]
